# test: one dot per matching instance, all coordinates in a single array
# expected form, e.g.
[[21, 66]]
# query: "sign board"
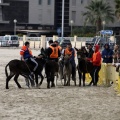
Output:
[[59, 30], [106, 32]]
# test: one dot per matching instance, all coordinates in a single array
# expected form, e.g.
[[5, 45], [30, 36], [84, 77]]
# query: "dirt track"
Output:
[[61, 103]]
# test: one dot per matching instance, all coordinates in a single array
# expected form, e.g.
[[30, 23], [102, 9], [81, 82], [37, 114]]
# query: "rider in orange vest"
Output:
[[26, 54], [70, 51], [53, 52]]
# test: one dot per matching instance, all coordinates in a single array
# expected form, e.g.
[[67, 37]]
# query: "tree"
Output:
[[98, 11], [117, 7]]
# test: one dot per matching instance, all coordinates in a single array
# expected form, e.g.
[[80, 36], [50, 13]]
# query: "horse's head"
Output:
[[43, 53], [66, 59], [80, 54]]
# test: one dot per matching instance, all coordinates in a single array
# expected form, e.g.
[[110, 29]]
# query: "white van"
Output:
[[9, 40]]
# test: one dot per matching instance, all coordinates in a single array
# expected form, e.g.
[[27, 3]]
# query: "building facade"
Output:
[[44, 15]]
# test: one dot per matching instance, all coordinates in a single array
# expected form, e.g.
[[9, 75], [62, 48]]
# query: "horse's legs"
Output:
[[41, 79], [64, 80], [75, 79], [52, 80], [80, 74], [36, 79], [48, 83], [8, 79], [83, 79], [16, 80], [68, 80]]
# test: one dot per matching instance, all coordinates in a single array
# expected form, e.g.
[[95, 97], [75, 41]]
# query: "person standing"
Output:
[[116, 50], [107, 54], [96, 60], [90, 51]]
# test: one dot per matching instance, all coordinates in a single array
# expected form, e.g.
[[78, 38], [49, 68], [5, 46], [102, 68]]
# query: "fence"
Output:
[[107, 75], [36, 41]]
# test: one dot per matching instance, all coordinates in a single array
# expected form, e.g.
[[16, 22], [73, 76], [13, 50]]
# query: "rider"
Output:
[[53, 51], [96, 60], [26, 54], [59, 47], [70, 51]]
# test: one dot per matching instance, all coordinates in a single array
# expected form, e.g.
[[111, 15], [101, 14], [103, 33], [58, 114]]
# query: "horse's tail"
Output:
[[6, 70]]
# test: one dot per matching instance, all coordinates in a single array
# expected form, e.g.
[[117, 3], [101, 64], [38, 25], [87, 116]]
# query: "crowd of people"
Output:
[[54, 52]]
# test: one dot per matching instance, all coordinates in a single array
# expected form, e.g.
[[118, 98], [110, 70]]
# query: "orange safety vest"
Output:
[[67, 52], [54, 53], [24, 49]]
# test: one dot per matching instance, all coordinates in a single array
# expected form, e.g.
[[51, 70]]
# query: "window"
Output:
[[40, 2], [81, 1], [40, 16], [73, 16], [49, 2], [73, 2], [49, 16], [0, 1]]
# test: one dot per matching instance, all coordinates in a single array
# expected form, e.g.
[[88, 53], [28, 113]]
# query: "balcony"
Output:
[[4, 4], [4, 22]]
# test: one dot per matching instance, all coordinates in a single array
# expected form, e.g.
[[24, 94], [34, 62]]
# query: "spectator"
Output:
[[107, 54], [117, 63], [90, 51], [116, 49], [96, 60]]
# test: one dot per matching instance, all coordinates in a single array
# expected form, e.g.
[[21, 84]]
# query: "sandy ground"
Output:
[[60, 103]]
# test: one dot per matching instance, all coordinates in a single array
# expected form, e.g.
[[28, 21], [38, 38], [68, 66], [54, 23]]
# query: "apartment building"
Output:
[[44, 15]]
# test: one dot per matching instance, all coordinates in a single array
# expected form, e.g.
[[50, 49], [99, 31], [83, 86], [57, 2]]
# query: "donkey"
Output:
[[18, 67], [84, 66], [67, 71], [51, 68]]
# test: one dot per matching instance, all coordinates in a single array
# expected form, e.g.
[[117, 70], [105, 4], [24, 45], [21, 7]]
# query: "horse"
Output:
[[84, 66], [66, 70], [18, 67]]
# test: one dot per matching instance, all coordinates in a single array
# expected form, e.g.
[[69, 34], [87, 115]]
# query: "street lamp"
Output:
[[63, 7], [103, 22], [15, 21], [71, 23]]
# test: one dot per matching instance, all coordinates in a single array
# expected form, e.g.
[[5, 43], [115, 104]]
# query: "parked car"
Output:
[[64, 43], [9, 40]]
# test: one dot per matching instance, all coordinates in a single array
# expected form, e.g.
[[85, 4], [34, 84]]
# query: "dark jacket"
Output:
[[107, 55], [90, 53]]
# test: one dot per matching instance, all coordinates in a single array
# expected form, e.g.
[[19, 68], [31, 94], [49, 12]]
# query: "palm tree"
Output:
[[98, 11], [117, 11]]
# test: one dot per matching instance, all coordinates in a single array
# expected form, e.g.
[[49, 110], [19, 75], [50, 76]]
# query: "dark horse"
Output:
[[18, 67], [84, 66], [51, 68]]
